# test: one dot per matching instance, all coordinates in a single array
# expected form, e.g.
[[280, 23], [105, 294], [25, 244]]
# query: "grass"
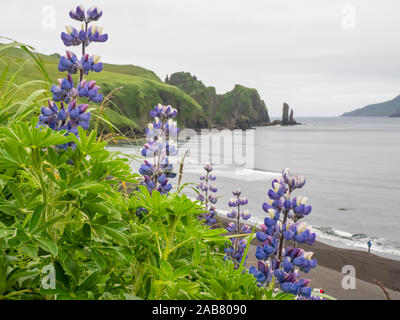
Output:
[[141, 89]]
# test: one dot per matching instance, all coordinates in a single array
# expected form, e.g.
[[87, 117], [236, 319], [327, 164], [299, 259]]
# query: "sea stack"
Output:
[[291, 118], [285, 114], [287, 119]]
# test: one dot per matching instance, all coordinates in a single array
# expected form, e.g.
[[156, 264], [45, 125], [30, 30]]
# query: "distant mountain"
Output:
[[384, 109], [241, 107]]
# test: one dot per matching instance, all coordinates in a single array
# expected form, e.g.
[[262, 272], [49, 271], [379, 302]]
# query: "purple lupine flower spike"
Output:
[[157, 174], [206, 190], [282, 224], [235, 250], [66, 91]]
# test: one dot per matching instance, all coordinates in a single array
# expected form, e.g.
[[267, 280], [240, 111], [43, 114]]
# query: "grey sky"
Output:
[[292, 51]]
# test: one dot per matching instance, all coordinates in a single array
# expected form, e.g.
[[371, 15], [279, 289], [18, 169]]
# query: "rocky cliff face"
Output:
[[240, 108]]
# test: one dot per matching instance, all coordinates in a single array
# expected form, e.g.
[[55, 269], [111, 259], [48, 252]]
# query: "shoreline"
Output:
[[328, 273]]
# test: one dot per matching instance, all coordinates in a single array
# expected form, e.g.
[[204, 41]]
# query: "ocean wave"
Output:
[[358, 241], [344, 239]]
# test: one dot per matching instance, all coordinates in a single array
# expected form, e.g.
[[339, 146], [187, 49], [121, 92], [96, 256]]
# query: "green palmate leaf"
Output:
[[13, 156], [27, 135]]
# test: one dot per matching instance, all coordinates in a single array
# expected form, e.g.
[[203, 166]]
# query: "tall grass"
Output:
[[19, 100]]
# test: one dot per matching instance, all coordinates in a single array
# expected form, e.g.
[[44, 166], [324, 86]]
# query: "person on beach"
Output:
[[369, 246]]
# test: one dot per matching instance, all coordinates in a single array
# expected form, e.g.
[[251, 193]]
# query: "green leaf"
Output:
[[43, 226], [86, 230], [36, 217], [118, 236], [93, 188], [92, 281], [47, 245], [71, 268], [16, 192], [29, 250], [196, 253], [63, 173]]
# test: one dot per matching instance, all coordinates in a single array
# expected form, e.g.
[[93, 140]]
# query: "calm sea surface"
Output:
[[352, 169]]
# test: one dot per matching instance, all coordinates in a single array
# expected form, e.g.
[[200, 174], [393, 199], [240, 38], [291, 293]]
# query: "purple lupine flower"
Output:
[[90, 90], [235, 249], [159, 147], [69, 63], [206, 190], [65, 92], [94, 13], [232, 214], [95, 35], [78, 13], [282, 224], [71, 37], [246, 215]]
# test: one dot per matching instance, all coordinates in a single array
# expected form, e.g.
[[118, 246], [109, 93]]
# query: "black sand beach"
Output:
[[328, 274]]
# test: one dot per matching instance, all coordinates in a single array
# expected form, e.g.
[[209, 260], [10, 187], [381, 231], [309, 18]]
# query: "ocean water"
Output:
[[352, 170]]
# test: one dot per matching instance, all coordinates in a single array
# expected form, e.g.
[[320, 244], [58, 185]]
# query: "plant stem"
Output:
[[15, 293], [83, 53], [281, 239]]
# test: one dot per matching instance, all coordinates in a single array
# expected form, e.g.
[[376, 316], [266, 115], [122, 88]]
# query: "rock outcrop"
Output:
[[285, 114], [241, 107], [287, 118]]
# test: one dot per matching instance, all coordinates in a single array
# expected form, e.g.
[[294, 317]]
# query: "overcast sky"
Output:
[[323, 57]]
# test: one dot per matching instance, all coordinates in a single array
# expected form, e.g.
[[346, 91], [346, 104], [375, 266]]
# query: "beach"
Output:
[[327, 275]]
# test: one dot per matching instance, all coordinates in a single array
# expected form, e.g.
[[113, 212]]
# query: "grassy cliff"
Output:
[[241, 107], [141, 89]]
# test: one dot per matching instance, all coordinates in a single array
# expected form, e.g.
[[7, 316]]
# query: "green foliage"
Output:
[[75, 211], [19, 99]]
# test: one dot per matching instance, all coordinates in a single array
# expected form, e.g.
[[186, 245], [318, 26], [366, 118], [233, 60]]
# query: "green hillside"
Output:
[[141, 90], [384, 109], [241, 107]]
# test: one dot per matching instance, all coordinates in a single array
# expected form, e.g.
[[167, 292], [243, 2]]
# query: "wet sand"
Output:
[[328, 274]]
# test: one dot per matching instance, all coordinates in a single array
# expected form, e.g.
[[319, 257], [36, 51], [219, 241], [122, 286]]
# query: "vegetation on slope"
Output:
[[141, 89], [240, 107]]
